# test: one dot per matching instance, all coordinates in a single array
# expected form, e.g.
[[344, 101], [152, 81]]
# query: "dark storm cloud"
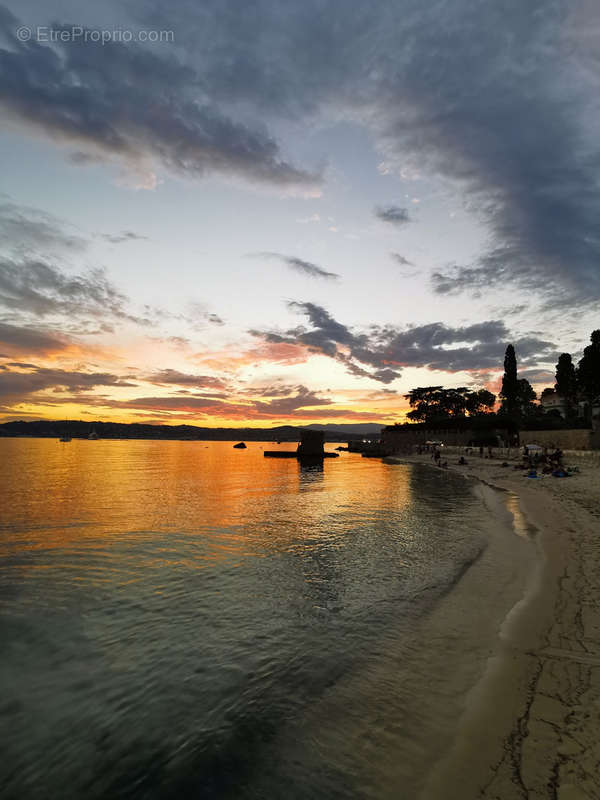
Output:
[[298, 265], [40, 289], [383, 352], [497, 97], [393, 214], [129, 102]]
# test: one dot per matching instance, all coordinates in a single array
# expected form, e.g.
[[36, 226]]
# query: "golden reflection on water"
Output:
[[91, 493], [164, 594], [520, 525]]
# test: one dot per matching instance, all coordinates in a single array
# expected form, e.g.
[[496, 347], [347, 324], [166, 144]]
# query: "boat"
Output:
[[65, 439], [93, 435], [239, 446]]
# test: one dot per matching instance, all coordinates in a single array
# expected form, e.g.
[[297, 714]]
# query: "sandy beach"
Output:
[[531, 728]]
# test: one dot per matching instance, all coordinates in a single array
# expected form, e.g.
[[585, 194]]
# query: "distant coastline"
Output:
[[78, 429]]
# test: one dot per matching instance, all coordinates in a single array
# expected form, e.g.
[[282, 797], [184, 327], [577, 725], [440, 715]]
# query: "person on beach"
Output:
[[462, 461], [480, 451]]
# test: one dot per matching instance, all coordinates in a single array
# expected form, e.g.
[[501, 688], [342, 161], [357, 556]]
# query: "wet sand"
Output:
[[531, 727]]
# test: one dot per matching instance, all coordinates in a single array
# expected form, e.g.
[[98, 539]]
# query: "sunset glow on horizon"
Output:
[[213, 230]]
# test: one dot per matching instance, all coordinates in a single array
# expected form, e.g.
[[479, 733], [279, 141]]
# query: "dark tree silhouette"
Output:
[[566, 381], [525, 397], [510, 385], [588, 371], [434, 403]]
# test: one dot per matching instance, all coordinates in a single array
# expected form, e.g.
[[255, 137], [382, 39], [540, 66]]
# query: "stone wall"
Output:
[[574, 439], [404, 438]]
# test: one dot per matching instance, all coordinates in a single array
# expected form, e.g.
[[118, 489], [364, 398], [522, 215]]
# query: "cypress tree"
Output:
[[510, 385]]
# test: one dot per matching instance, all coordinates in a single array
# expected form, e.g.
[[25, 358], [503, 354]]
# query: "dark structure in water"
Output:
[[310, 448]]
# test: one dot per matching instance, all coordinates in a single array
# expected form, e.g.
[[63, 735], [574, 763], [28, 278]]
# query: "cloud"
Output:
[[285, 406], [401, 260], [17, 385], [300, 405], [393, 214], [165, 377], [537, 375], [498, 100], [135, 105], [198, 314], [42, 290], [28, 340], [124, 236], [298, 265], [24, 230], [404, 262], [381, 354]]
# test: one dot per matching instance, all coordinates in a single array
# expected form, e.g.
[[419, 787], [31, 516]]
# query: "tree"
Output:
[[566, 381], [588, 372], [434, 403], [480, 402], [525, 398], [510, 387]]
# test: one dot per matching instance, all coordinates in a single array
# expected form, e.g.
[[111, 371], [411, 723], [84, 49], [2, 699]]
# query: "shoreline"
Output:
[[531, 726]]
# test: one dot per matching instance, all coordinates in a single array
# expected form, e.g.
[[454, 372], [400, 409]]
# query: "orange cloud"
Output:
[[271, 352]]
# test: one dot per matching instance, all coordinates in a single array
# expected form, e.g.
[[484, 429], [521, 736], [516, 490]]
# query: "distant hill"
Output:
[[79, 429], [351, 427]]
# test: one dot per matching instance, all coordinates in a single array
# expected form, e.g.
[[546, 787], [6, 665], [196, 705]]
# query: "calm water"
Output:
[[188, 620]]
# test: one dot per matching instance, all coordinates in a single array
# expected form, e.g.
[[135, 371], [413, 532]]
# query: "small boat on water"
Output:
[[65, 439], [239, 446], [93, 435]]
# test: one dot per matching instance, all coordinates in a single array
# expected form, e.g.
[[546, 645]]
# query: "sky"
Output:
[[258, 213]]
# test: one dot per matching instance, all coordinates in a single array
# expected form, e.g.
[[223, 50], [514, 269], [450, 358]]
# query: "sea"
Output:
[[189, 620]]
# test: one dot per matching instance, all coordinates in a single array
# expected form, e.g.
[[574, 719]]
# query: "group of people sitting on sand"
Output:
[[532, 461], [547, 463]]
